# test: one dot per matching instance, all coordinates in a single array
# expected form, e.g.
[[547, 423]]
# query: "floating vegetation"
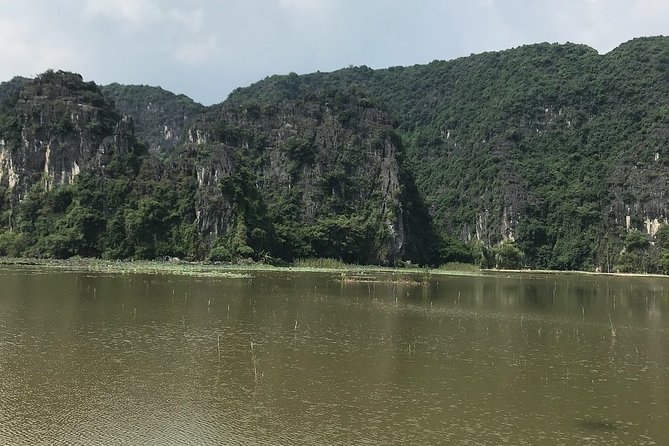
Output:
[[323, 263], [459, 267], [409, 275], [403, 279], [358, 278], [133, 267]]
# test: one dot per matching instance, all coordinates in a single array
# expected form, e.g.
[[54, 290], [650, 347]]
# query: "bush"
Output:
[[662, 236], [628, 262], [12, 243], [219, 254], [636, 241], [482, 256], [663, 261], [452, 249], [508, 256]]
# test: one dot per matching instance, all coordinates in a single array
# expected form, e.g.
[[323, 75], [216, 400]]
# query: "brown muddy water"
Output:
[[132, 359]]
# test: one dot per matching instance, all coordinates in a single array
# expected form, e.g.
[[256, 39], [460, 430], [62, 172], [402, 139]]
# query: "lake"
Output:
[[288, 358]]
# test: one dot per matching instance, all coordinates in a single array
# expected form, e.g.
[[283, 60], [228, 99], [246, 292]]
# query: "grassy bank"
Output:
[[227, 270], [245, 270]]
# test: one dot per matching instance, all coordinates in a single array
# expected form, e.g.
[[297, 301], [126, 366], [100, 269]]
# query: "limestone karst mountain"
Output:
[[556, 152]]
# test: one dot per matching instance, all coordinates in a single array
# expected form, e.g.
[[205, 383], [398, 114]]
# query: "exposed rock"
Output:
[[63, 125], [161, 117], [327, 160]]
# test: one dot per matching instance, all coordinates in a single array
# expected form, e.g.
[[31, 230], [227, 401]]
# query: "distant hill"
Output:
[[160, 116], [546, 155]]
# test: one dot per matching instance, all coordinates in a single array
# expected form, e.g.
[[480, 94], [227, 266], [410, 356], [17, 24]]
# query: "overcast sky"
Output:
[[206, 48]]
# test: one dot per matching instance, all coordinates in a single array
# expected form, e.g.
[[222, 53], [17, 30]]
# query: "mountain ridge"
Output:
[[554, 153]]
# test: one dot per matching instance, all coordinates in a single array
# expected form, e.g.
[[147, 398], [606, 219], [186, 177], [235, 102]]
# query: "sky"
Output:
[[207, 48]]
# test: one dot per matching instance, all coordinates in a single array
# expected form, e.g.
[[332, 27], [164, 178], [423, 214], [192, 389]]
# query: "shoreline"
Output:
[[579, 273], [241, 271]]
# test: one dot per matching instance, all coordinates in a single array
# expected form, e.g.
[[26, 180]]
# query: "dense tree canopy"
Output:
[[544, 156]]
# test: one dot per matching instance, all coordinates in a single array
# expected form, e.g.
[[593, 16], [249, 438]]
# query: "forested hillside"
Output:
[[555, 147], [320, 176], [546, 156]]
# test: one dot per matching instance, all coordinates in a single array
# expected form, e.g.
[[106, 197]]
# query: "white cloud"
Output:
[[650, 7], [133, 11], [307, 7], [192, 20], [194, 52], [27, 53]]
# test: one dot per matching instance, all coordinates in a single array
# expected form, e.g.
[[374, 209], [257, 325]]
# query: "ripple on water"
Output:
[[334, 367]]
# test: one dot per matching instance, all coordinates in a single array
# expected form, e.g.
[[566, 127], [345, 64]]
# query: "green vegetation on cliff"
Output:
[[317, 177], [74, 181], [160, 117], [553, 146], [543, 156]]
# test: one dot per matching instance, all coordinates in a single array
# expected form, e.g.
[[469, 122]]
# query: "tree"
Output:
[[635, 256], [508, 256], [662, 236]]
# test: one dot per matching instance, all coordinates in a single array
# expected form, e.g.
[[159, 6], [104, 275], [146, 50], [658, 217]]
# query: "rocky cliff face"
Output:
[[554, 147], [54, 128], [160, 117], [320, 166], [317, 176]]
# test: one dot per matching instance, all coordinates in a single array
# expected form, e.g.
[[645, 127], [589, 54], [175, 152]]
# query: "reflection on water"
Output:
[[145, 359]]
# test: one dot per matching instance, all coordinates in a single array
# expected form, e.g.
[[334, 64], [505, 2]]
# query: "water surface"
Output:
[[156, 359]]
